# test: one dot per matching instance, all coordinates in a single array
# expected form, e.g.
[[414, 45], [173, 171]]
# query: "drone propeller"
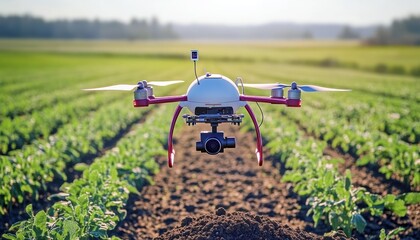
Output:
[[164, 83], [129, 87], [267, 86], [314, 88], [305, 88]]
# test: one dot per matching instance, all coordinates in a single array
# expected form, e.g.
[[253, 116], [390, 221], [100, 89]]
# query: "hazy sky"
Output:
[[243, 12]]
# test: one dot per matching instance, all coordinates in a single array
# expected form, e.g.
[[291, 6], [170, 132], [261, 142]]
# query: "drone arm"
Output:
[[272, 100], [158, 100], [171, 151], [258, 151]]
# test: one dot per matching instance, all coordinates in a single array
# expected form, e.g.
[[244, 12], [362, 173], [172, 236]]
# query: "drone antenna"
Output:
[[195, 72], [262, 115], [194, 58], [239, 79]]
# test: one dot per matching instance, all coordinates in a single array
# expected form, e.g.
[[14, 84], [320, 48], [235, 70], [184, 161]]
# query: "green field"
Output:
[[48, 125]]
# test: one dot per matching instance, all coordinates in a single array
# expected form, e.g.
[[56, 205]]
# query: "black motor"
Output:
[[214, 143]]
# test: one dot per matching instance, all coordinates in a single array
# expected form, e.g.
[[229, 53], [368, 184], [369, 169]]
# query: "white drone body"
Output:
[[212, 90]]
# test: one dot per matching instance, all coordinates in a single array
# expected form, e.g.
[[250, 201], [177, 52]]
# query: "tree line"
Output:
[[402, 32], [34, 27]]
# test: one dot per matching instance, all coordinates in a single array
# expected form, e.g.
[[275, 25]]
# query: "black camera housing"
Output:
[[214, 143]]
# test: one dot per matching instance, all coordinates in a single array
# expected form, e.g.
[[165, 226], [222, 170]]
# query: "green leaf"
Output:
[[395, 232], [93, 176], [132, 189], [382, 235], [398, 207], [9, 236], [41, 220], [29, 210], [347, 183], [358, 222], [17, 225], [328, 178], [333, 219], [58, 196], [389, 199], [71, 227], [80, 167], [412, 198], [363, 161]]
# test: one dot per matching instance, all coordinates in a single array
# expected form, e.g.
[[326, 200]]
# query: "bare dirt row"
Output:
[[200, 184]]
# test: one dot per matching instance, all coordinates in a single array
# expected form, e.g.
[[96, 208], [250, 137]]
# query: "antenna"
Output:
[[194, 58]]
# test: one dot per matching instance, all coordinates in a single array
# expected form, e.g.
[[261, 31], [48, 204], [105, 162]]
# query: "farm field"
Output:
[[76, 164]]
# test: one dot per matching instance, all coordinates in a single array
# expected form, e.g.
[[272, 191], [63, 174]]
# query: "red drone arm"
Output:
[[157, 100], [272, 100], [258, 151], [171, 151]]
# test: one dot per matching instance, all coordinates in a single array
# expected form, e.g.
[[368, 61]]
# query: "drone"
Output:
[[214, 99]]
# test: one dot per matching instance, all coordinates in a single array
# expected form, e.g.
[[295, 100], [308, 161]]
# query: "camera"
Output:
[[214, 143]]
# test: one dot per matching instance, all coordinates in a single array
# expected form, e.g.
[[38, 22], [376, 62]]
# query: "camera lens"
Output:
[[213, 146]]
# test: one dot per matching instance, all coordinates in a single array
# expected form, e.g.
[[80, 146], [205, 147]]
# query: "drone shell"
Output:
[[213, 91]]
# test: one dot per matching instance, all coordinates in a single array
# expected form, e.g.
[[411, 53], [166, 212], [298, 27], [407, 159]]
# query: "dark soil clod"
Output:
[[220, 212]]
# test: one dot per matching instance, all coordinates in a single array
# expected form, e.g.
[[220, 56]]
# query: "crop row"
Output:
[[29, 170], [331, 196], [94, 204], [392, 116], [39, 98], [33, 91], [15, 133], [378, 68], [394, 157]]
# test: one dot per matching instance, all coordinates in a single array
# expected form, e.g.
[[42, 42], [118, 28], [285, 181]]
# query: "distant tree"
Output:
[[307, 35], [348, 33], [405, 31], [33, 27], [381, 37]]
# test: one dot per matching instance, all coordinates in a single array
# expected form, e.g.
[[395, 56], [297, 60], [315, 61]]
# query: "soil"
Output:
[[236, 225], [199, 183]]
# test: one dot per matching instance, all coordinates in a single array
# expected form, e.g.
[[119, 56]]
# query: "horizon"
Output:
[[191, 24], [369, 13]]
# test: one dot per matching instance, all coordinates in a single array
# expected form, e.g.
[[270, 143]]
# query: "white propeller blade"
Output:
[[129, 87], [265, 85], [119, 87], [164, 83], [313, 88], [305, 88]]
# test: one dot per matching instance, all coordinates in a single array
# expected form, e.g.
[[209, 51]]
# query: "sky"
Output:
[[226, 12]]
